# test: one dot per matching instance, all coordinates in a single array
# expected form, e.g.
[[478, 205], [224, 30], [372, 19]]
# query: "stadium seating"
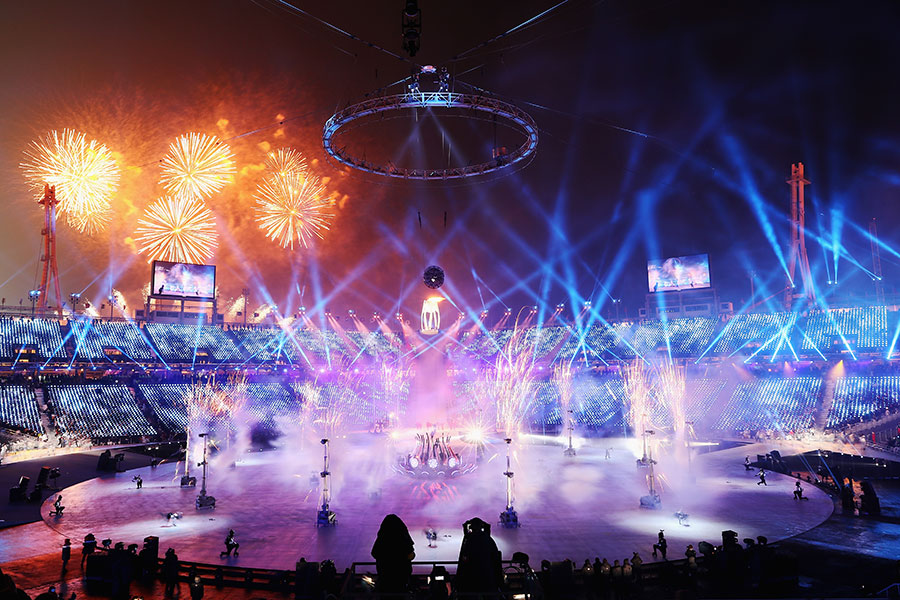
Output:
[[177, 343], [98, 411], [783, 404], [859, 398], [265, 344], [19, 338], [91, 340], [19, 410], [166, 400], [866, 325], [749, 331]]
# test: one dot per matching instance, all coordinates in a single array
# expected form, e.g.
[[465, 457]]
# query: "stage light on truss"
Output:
[[351, 312], [414, 462], [432, 463], [399, 316]]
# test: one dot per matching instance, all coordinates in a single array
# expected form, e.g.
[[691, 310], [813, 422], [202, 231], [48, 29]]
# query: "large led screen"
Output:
[[182, 280], [678, 273]]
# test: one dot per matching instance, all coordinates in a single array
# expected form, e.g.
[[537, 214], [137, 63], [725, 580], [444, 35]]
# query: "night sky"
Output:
[[667, 128]]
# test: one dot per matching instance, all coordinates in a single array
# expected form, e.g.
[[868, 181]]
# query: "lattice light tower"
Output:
[[50, 274], [798, 243], [876, 262]]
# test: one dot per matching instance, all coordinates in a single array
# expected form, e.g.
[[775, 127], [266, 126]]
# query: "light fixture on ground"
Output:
[[203, 500], [325, 516], [509, 519], [570, 451], [652, 499]]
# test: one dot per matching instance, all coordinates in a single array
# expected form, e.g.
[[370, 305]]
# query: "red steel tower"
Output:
[[48, 233]]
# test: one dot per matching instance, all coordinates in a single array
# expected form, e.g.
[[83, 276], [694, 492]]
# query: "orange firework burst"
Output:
[[292, 209], [196, 166], [84, 173], [285, 163], [177, 229]]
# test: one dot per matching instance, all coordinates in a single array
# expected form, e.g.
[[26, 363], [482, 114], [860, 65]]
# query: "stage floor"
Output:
[[578, 507]]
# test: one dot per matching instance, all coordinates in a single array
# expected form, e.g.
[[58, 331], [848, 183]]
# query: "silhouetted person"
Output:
[[66, 553], [88, 547], [479, 569], [170, 571], [798, 492], [747, 466], [393, 552], [762, 478], [661, 545], [50, 594], [196, 586], [138, 481], [58, 507], [9, 590]]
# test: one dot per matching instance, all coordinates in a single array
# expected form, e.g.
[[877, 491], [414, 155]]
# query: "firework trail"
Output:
[[562, 377], [637, 394]]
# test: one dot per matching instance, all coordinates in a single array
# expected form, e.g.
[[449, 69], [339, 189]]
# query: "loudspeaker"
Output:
[[729, 538], [151, 548], [43, 476]]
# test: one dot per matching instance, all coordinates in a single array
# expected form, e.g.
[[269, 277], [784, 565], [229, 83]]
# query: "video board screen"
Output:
[[183, 280], [678, 273]]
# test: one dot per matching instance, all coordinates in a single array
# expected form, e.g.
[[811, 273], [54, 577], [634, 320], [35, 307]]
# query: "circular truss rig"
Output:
[[441, 99]]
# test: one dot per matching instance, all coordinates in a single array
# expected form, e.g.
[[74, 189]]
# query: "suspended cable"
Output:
[[347, 34], [510, 31]]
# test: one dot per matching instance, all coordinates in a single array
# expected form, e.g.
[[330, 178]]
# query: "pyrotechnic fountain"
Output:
[[562, 376]]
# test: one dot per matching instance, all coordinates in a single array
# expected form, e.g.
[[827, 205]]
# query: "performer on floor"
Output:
[[661, 545], [58, 507], [798, 492], [747, 466], [230, 544], [762, 478]]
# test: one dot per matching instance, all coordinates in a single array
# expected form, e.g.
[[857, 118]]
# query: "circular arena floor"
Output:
[[569, 507]]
